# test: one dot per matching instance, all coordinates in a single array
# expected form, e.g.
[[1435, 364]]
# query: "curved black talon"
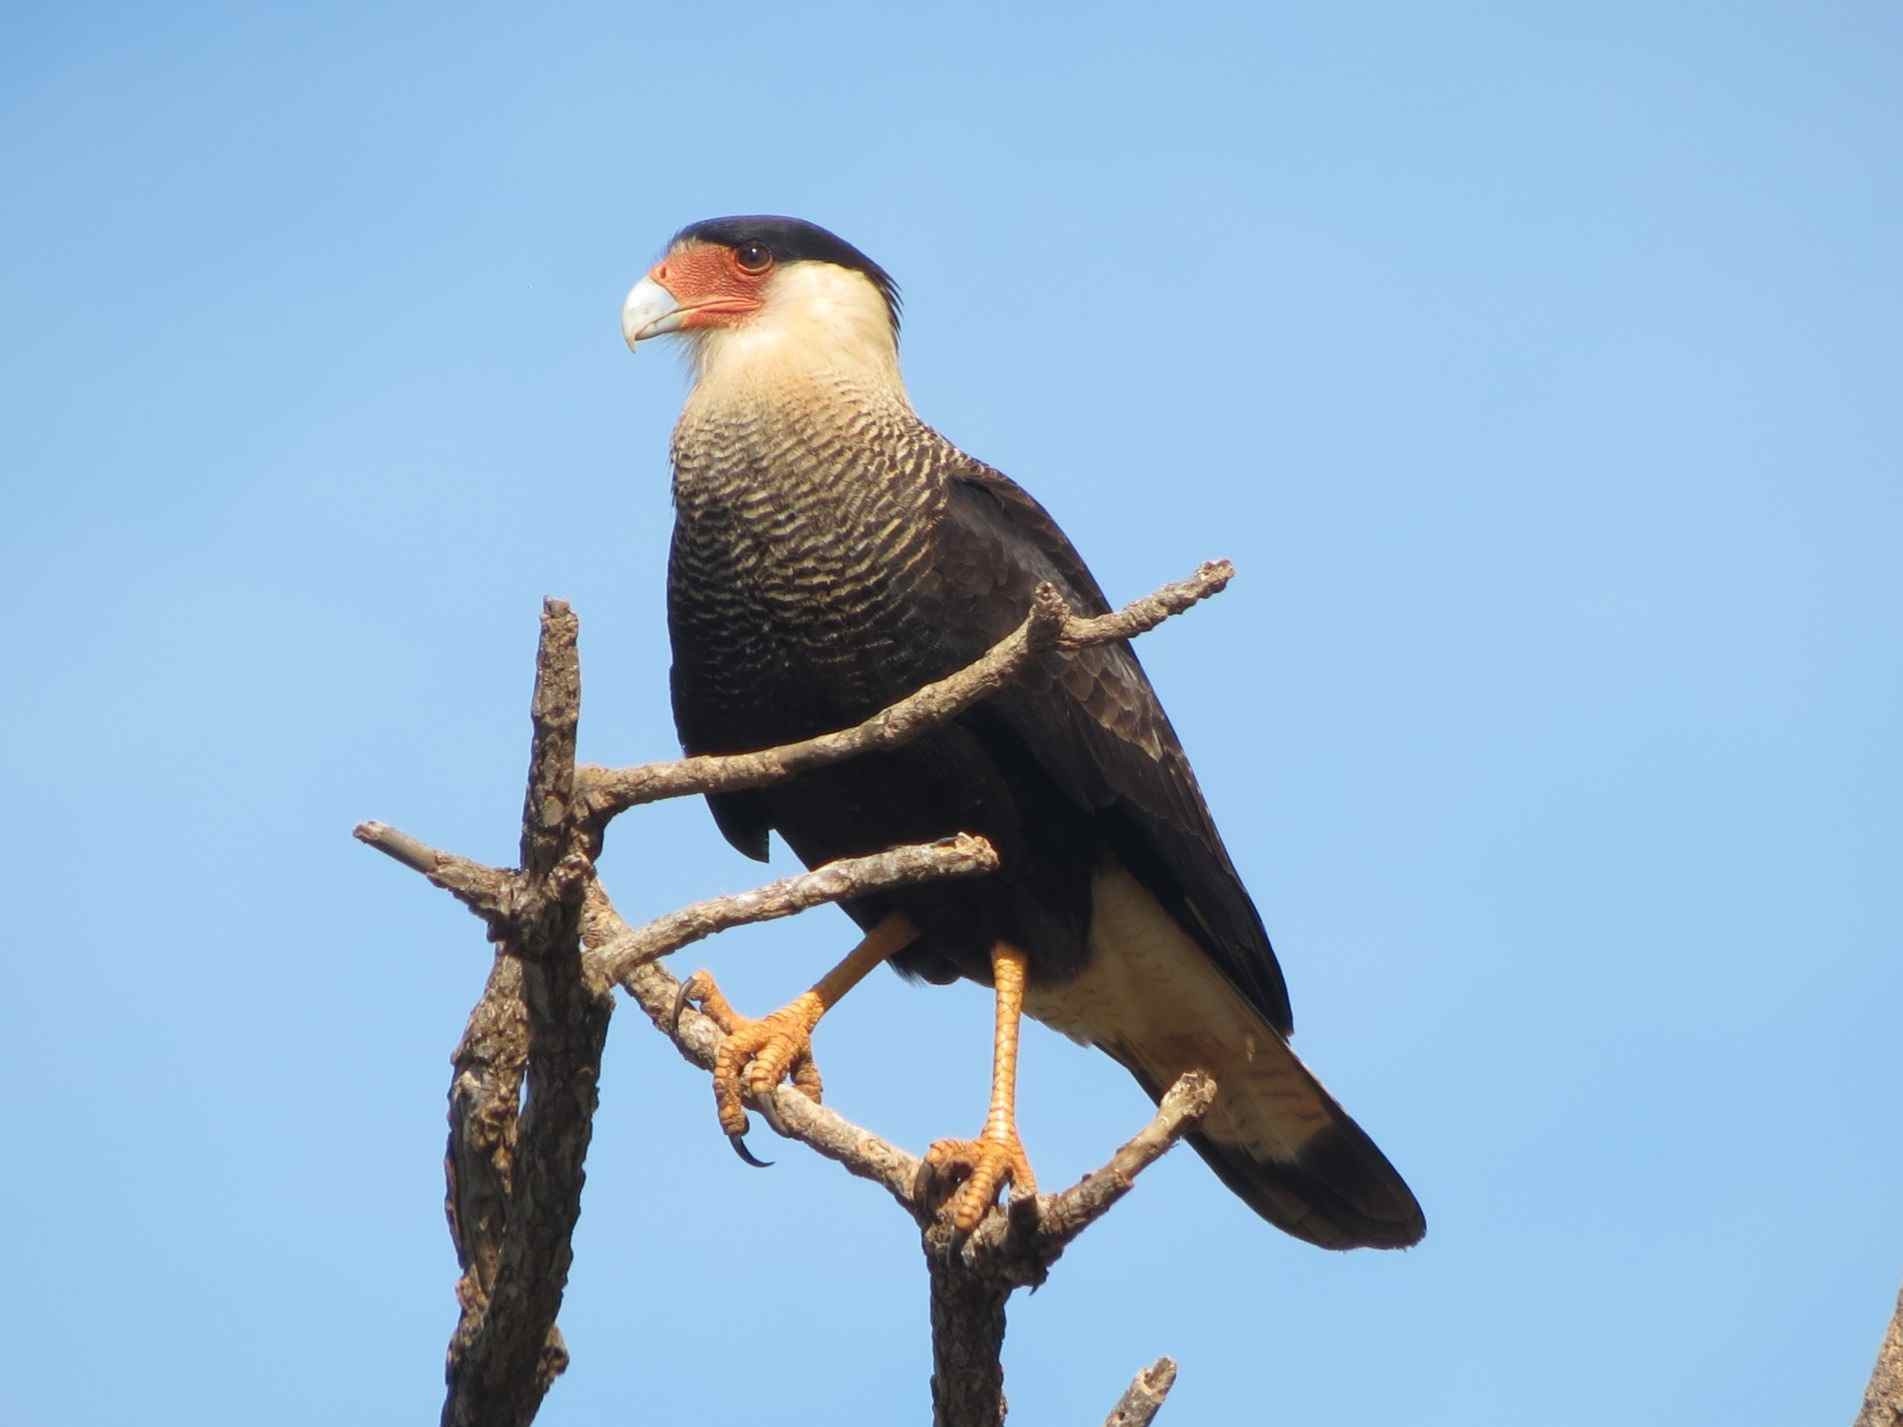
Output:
[[739, 1143], [680, 1004]]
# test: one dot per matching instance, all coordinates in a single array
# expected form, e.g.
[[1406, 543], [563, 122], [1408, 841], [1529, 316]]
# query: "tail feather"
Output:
[[1152, 998], [1295, 1156]]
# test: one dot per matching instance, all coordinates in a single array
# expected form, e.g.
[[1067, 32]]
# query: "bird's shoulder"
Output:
[[1001, 517]]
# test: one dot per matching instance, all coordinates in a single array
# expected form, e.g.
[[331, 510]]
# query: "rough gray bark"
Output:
[[514, 1177], [534, 1038], [967, 1341]]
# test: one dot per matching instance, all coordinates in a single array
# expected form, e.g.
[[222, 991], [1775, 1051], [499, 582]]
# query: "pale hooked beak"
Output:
[[649, 311]]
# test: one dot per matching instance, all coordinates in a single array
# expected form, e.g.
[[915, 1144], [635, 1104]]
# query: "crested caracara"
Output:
[[831, 554]]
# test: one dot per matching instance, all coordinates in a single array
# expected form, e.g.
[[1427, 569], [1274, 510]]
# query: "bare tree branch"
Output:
[[554, 715], [697, 1038], [967, 1343], [1049, 625], [481, 889], [514, 1180], [1883, 1399], [1019, 1247], [972, 1278], [506, 1349], [485, 1089], [1143, 1398], [960, 856]]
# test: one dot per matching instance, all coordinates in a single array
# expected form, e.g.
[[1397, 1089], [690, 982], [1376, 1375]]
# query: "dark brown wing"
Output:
[[1276, 1137], [1095, 725]]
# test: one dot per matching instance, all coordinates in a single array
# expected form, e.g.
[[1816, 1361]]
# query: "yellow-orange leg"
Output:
[[996, 1157], [762, 1053]]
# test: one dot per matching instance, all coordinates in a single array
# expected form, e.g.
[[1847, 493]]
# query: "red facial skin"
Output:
[[710, 285]]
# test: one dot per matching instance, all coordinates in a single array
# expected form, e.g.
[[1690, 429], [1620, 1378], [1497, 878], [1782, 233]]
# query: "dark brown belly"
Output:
[[956, 780]]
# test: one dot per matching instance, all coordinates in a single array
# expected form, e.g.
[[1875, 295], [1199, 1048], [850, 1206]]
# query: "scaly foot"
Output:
[[758, 1054], [986, 1164]]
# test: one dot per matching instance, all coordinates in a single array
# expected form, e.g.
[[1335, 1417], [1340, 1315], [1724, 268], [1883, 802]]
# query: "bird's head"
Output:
[[753, 287]]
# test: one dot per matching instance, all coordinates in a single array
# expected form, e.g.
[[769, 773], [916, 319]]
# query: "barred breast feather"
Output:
[[831, 553]]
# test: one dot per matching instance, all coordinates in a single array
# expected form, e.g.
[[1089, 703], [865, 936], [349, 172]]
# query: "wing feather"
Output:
[[1094, 723]]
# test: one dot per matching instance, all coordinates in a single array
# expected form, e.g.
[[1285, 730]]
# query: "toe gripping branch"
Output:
[[756, 1055], [997, 1157], [700, 990]]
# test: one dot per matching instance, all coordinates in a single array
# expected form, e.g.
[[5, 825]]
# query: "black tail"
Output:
[[1336, 1189], [1288, 1150], [1151, 996]]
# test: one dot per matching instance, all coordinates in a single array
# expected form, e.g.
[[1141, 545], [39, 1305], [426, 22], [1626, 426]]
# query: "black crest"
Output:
[[794, 240]]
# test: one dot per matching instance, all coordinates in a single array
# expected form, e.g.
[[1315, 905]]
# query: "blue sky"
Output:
[[1538, 367]]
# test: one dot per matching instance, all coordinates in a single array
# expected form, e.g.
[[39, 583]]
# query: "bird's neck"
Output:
[[803, 402], [786, 477], [799, 415], [794, 437], [805, 504]]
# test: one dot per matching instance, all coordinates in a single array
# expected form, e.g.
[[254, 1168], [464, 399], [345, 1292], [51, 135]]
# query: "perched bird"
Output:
[[832, 553]]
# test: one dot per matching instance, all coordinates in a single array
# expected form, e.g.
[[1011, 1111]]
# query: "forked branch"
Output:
[[1016, 1248], [515, 1174]]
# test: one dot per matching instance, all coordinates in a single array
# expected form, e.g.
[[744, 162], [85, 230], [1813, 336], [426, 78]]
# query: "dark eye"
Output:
[[753, 257]]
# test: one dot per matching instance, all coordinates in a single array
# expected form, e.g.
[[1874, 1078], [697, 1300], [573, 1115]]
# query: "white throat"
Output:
[[816, 318]]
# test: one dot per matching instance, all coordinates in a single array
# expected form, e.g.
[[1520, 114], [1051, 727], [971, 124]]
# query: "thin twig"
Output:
[[960, 856], [484, 890], [1064, 1216], [1049, 625], [1146, 612], [999, 1246], [656, 991]]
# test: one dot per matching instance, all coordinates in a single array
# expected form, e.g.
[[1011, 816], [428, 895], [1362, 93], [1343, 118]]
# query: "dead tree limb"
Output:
[[1143, 1398], [514, 1178], [1049, 625], [960, 856], [534, 1039], [971, 1277]]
